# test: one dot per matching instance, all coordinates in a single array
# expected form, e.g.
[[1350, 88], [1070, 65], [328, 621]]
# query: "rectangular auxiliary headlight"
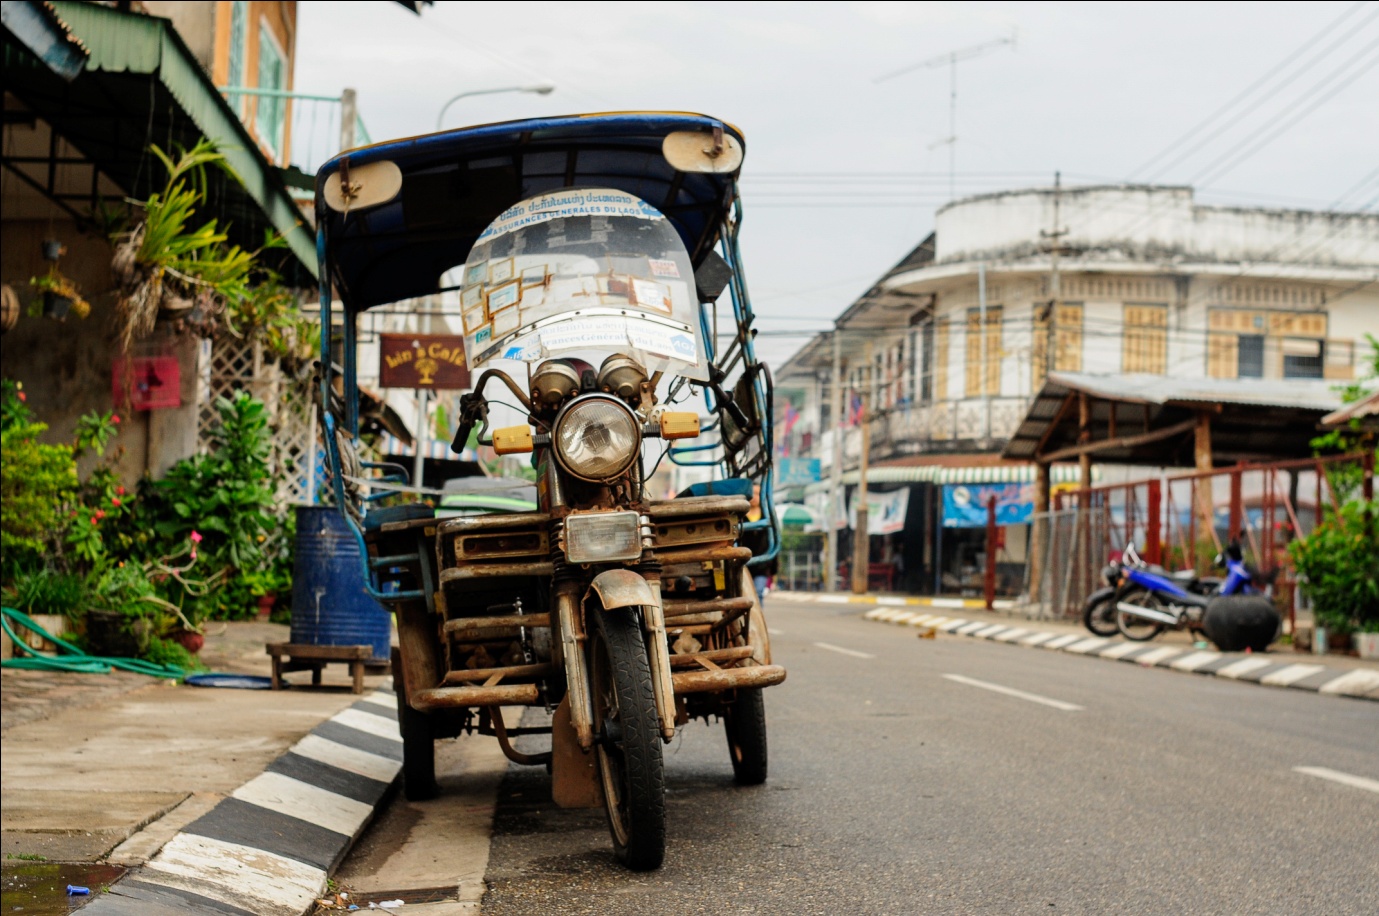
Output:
[[602, 537]]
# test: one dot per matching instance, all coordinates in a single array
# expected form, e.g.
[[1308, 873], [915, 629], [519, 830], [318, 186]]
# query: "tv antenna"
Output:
[[952, 59]]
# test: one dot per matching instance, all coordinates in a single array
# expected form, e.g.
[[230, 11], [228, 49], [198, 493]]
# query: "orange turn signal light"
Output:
[[679, 424], [512, 440]]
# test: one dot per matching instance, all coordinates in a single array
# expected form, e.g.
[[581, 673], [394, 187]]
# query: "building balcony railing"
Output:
[[971, 424], [319, 126]]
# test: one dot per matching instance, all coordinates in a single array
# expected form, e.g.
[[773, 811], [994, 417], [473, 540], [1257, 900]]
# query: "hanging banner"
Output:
[[434, 361], [797, 472], [964, 505], [885, 511]]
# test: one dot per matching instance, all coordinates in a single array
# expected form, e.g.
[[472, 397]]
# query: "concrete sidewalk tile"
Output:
[[1244, 666], [1012, 634], [1193, 661], [239, 875], [1067, 639], [313, 804], [1086, 646], [1358, 683], [1290, 675], [1118, 650], [1157, 656]]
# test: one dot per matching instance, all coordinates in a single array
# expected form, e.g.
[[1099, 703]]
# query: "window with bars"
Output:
[[1067, 333], [1144, 346], [1265, 343], [983, 366]]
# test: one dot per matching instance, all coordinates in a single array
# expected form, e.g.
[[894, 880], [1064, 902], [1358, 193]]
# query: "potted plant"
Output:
[[1339, 566], [58, 295]]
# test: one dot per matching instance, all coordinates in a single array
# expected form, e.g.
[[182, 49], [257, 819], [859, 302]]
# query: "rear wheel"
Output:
[[744, 720], [629, 738], [418, 743], [1134, 627]]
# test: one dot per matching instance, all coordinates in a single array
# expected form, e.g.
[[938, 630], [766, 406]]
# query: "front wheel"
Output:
[[1137, 628], [744, 719], [629, 738]]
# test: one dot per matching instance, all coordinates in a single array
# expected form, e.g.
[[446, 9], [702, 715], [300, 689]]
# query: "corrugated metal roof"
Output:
[[1144, 388], [928, 473], [1364, 409]]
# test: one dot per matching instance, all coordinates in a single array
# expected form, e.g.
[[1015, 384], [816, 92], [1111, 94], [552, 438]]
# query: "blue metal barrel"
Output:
[[329, 604]]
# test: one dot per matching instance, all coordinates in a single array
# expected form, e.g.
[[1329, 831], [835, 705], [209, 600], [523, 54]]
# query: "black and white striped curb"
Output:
[[1258, 669], [268, 848]]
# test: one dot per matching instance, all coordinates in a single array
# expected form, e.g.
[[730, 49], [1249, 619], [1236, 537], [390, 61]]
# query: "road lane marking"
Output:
[[853, 652], [1012, 692], [1038, 639], [1012, 635], [1345, 779], [1084, 646], [990, 631], [1120, 650], [1154, 656], [969, 629]]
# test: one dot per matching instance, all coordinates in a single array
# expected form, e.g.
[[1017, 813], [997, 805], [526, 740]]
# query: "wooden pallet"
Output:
[[289, 656]]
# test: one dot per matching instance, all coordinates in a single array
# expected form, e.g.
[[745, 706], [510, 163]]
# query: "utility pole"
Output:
[[836, 471], [1055, 283], [861, 537], [952, 58], [1041, 529]]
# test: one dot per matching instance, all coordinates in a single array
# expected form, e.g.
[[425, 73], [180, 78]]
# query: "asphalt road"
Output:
[[903, 780]]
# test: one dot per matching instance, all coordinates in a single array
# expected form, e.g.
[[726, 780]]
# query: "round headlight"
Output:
[[597, 438]]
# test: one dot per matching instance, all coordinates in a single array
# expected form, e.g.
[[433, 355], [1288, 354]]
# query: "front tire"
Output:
[[629, 738], [744, 719]]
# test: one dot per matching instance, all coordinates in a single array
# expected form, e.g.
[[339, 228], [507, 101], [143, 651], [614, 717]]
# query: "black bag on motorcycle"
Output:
[[1237, 622]]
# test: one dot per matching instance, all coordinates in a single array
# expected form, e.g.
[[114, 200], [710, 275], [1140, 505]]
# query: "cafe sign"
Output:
[[422, 361]]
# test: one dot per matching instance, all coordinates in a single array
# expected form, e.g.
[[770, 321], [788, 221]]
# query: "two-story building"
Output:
[[945, 351]]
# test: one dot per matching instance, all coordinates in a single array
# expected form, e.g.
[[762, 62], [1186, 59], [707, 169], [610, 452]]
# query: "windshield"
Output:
[[591, 269]]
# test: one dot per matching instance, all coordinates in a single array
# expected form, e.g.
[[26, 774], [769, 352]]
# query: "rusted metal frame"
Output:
[[1235, 519], [730, 654], [500, 731], [492, 677], [709, 555], [654, 622], [470, 524], [727, 679], [1153, 535], [462, 625], [571, 641], [464, 697], [730, 617], [695, 506], [471, 571], [677, 609]]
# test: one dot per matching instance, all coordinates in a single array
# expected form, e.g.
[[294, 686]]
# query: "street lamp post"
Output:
[[538, 88]]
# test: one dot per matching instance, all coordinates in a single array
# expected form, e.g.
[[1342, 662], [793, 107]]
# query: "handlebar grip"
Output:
[[462, 436]]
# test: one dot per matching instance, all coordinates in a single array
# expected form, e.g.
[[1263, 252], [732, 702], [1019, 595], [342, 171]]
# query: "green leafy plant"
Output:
[[1339, 563], [54, 282]]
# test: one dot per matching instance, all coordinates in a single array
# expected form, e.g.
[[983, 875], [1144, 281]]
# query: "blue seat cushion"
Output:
[[377, 518], [733, 486]]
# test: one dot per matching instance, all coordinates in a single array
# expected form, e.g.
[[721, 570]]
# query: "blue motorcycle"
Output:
[[1147, 601]]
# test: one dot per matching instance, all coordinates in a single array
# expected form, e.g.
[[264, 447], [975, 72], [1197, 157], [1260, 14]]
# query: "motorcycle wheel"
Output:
[[1135, 628], [629, 739], [744, 719], [1100, 617], [418, 743]]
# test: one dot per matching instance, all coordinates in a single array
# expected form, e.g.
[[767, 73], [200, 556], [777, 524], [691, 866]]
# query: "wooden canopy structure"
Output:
[[1159, 421]]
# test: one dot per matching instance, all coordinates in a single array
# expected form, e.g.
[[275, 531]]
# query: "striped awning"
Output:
[[941, 474]]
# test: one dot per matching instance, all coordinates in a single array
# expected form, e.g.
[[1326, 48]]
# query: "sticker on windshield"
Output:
[[663, 268], [565, 204], [585, 333]]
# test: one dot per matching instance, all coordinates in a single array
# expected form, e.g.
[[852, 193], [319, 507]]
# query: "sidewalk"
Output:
[[1281, 666], [115, 768]]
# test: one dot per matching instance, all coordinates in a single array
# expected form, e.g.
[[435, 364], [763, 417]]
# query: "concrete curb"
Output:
[[269, 846], [1361, 683]]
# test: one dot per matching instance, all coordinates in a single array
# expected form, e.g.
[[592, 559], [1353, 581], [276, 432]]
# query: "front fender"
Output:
[[621, 588], [1097, 597]]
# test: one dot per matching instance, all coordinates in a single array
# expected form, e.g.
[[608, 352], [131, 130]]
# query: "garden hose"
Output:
[[74, 659]]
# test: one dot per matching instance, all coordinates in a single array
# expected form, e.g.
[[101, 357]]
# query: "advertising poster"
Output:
[[885, 511], [964, 505]]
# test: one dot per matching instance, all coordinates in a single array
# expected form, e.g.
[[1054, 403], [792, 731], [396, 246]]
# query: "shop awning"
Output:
[[140, 85], [940, 474]]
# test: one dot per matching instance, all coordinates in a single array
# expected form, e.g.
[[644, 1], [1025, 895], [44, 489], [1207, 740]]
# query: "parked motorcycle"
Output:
[[1099, 610], [1236, 615]]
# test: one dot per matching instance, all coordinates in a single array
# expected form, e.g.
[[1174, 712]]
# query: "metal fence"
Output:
[[800, 571]]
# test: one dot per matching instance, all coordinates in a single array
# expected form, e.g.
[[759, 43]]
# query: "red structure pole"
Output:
[[989, 581], [1237, 509], [1153, 536]]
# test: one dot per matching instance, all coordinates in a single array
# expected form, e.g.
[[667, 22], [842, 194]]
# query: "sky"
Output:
[[843, 172]]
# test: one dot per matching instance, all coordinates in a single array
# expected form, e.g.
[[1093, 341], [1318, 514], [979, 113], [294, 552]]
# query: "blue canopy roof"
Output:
[[457, 182]]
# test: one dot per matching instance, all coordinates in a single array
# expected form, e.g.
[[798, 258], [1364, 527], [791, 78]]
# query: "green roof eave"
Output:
[[133, 43]]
